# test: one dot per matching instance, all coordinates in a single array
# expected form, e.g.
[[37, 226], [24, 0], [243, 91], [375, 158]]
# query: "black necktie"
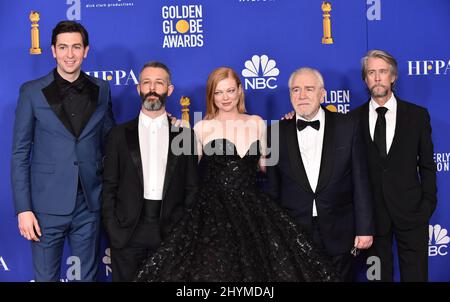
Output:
[[301, 124], [379, 136]]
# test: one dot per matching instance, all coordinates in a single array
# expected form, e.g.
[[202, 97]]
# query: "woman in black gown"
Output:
[[234, 232]]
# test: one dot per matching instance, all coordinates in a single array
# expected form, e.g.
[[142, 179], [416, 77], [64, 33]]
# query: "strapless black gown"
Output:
[[235, 232]]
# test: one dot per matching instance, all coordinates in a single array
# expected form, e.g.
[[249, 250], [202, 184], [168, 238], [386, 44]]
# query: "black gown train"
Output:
[[235, 232]]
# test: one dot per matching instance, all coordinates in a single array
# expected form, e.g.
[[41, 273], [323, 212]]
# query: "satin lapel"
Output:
[[295, 158], [328, 147], [54, 101], [132, 137], [93, 103], [171, 158]]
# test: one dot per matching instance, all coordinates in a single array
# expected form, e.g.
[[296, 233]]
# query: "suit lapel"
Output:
[[171, 158], [132, 138], [372, 149], [54, 100], [328, 147], [93, 102], [295, 158]]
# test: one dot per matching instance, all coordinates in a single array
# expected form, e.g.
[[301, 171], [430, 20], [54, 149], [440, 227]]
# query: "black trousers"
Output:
[[145, 240], [343, 263], [412, 250]]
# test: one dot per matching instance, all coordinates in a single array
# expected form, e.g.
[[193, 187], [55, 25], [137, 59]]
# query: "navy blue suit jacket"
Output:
[[47, 159], [343, 197]]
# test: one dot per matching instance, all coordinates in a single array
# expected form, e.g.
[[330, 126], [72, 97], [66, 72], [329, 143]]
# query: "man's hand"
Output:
[[288, 116], [363, 242], [29, 226]]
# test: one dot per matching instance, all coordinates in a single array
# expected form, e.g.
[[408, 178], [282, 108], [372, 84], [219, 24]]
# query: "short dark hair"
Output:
[[156, 64], [70, 27]]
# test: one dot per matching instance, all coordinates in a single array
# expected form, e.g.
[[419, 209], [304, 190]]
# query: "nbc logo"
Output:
[[260, 73], [438, 240], [107, 261]]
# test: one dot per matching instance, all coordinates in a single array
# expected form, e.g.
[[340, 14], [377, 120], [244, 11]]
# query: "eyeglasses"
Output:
[[228, 92]]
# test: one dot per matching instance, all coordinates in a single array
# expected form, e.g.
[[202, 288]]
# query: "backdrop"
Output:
[[263, 40]]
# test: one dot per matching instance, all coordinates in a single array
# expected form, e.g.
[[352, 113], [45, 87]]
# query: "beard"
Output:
[[380, 94], [153, 105]]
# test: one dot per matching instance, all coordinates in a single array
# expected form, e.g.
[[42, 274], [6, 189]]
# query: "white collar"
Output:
[[158, 121], [391, 104]]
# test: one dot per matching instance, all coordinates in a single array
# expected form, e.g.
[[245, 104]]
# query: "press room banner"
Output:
[[264, 41]]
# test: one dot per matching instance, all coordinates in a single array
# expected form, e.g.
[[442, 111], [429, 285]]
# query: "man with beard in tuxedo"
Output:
[[150, 176]]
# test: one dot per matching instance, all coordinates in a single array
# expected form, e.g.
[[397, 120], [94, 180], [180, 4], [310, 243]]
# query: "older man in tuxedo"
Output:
[[321, 177]]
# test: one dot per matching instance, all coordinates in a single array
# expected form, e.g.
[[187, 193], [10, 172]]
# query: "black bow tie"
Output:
[[301, 124]]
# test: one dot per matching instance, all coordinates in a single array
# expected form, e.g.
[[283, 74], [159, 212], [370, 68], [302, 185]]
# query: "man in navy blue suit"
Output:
[[321, 177], [61, 122]]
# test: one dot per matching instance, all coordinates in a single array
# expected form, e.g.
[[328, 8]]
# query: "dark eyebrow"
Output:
[[64, 44]]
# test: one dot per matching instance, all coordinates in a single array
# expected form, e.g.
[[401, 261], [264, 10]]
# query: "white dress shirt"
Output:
[[154, 146], [310, 142], [391, 118]]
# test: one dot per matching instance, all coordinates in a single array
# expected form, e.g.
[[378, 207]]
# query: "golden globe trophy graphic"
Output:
[[326, 8], [185, 102], [35, 49]]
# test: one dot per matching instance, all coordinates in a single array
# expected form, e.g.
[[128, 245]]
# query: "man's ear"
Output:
[[323, 94], [86, 50], [170, 89], [54, 51]]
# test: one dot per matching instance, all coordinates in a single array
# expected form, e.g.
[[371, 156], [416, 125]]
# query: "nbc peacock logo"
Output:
[[260, 72], [437, 240]]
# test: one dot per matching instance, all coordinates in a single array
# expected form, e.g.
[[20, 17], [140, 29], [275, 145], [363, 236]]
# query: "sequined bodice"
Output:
[[226, 168]]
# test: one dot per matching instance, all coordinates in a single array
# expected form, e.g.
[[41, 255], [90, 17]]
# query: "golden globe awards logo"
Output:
[[337, 101], [182, 26]]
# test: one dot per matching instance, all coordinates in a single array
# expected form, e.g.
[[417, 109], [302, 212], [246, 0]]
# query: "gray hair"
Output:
[[380, 54], [305, 70]]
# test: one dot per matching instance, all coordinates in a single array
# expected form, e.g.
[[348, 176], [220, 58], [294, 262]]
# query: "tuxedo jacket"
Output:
[[404, 184], [123, 188], [47, 158], [343, 198]]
